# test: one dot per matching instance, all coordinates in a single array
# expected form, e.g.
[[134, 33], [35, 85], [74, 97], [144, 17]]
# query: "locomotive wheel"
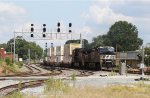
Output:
[[81, 65], [72, 65], [85, 66], [97, 66]]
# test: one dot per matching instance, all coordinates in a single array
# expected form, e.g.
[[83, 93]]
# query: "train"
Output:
[[74, 56]]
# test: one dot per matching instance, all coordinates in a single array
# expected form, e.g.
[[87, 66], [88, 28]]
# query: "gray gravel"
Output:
[[94, 81], [8, 82]]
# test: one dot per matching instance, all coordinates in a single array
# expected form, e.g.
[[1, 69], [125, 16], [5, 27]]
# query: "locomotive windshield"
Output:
[[105, 50]]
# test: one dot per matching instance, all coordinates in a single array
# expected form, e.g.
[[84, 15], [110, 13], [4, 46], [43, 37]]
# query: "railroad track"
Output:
[[8, 90], [41, 72], [77, 72], [84, 73]]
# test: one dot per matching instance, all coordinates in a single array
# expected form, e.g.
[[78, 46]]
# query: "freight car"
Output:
[[94, 58], [60, 55]]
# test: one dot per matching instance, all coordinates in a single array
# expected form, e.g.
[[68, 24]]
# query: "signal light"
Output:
[[58, 24], [44, 35], [51, 44], [58, 30], [44, 25], [32, 29], [32, 35], [70, 31], [70, 24], [44, 29]]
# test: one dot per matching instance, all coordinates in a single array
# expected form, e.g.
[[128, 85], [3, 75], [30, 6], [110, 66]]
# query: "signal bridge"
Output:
[[46, 36], [43, 34]]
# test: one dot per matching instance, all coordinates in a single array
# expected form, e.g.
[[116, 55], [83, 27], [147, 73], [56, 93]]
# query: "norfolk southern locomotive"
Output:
[[94, 58]]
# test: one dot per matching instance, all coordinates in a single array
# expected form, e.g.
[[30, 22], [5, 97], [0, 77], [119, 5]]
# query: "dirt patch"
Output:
[[1, 70]]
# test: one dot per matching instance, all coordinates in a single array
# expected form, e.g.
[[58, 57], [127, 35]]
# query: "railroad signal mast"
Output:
[[44, 34]]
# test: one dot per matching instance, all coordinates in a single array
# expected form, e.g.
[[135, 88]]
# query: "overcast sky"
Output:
[[89, 17]]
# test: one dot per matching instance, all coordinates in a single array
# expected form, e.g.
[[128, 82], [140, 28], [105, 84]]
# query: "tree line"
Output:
[[22, 47], [123, 36]]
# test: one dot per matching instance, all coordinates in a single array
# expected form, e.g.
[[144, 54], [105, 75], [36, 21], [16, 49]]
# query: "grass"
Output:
[[73, 78], [112, 73], [116, 91], [57, 89], [16, 95], [55, 85], [11, 68]]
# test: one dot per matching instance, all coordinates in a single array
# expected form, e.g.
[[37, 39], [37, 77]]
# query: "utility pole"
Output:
[[14, 48], [29, 55], [45, 52], [81, 40], [142, 62], [11, 51], [116, 47], [46, 49]]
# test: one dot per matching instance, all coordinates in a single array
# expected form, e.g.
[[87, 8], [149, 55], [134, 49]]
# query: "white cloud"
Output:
[[138, 2], [11, 9], [85, 29], [11, 16], [102, 12], [120, 2], [105, 15]]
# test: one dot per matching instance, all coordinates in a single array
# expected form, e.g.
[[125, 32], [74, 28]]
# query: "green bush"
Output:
[[8, 61], [73, 77], [20, 64], [55, 85], [0, 62]]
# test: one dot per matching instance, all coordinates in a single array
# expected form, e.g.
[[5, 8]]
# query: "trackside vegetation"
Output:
[[55, 88]]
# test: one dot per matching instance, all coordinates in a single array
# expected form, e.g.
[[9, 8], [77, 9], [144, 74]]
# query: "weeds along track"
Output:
[[38, 71], [8, 90], [34, 71]]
